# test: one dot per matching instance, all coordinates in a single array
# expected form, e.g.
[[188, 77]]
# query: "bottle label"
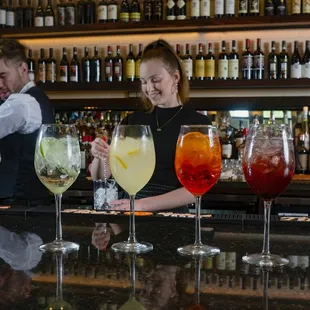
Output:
[[70, 15], [200, 68], [188, 66], [171, 17], [42, 72], [112, 12], [303, 261], [302, 162], [39, 21], [10, 19], [2, 17], [49, 21], [102, 12], [51, 72], [296, 71], [306, 70], [170, 4], [210, 68], [230, 260], [138, 62], [239, 141], [254, 6], [296, 7], [108, 69], [258, 61], [283, 67], [124, 17], [306, 6], [226, 150], [61, 15], [83, 160], [233, 68], [31, 75], [130, 68], [195, 6], [273, 70], [135, 16], [247, 62], [219, 7], [74, 73], [63, 73], [243, 6], [223, 68], [118, 70], [205, 8], [293, 259], [221, 261], [230, 7]]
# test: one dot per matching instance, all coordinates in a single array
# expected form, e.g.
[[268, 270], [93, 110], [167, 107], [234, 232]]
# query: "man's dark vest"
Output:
[[18, 178]]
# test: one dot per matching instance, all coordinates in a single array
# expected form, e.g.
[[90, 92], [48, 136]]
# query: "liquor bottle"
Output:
[[229, 8], [70, 13], [61, 14], [239, 137], [138, 62], [158, 10], [64, 67], [306, 6], [243, 8], [178, 51], [200, 64], [19, 13], [85, 63], [102, 12], [135, 14], [283, 62], [305, 68], [112, 11], [296, 63], [272, 119], [297, 128], [49, 15], [39, 16], [130, 65], [296, 7], [273, 62], [171, 10], [219, 8], [42, 66], [81, 12], [148, 10], [281, 9], [301, 156], [108, 66], [10, 15], [195, 9], [31, 66], [74, 67], [247, 62], [227, 144], [258, 62], [205, 9], [210, 63], [118, 65], [2, 14], [90, 8], [188, 63], [223, 63], [51, 67], [233, 62], [270, 9], [181, 9], [95, 67], [124, 12], [254, 7], [28, 15], [305, 127]]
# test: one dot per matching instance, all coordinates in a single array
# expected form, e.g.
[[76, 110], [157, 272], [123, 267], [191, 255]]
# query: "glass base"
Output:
[[262, 260], [135, 247], [198, 250], [59, 247]]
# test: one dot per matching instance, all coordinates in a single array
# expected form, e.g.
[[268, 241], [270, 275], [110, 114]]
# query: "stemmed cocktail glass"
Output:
[[57, 163], [132, 163], [268, 166], [198, 166]]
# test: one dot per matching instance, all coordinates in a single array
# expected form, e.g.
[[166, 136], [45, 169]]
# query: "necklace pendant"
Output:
[[158, 129]]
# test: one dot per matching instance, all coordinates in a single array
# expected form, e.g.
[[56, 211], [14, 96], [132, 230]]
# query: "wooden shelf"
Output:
[[200, 25]]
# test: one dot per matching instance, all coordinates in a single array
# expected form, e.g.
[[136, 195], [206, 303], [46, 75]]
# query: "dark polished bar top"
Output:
[[100, 279]]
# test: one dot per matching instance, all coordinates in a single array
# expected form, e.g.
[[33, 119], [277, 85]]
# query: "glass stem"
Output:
[[132, 274], [132, 226], [265, 281], [197, 280], [59, 270], [58, 218], [267, 208], [197, 221], [105, 178]]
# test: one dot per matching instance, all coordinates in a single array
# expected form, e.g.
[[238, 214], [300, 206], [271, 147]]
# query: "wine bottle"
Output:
[[90, 8], [171, 10], [210, 64], [95, 67], [195, 9], [42, 66], [138, 62], [2, 14], [39, 16], [305, 68], [233, 62], [284, 62], [148, 10], [301, 156], [243, 8], [229, 8], [74, 67], [258, 62], [19, 13], [70, 13], [205, 9], [102, 12], [10, 15], [81, 12], [118, 65], [296, 63], [219, 8], [49, 15], [85, 63], [306, 6], [64, 67], [61, 14], [130, 65], [188, 63], [269, 8], [223, 63], [51, 67], [28, 15], [135, 14], [108, 66], [31, 66], [247, 62], [254, 7], [281, 9], [181, 9], [112, 11], [273, 62], [124, 12], [158, 10], [296, 7], [200, 64], [178, 51]]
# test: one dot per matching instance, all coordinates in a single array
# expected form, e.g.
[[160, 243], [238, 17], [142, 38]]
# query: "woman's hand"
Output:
[[100, 149], [124, 205]]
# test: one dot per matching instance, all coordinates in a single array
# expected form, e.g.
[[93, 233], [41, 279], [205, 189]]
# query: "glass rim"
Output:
[[199, 126], [269, 125], [58, 125], [128, 125]]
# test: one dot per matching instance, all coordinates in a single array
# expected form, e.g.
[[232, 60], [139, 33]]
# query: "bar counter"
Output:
[[100, 279]]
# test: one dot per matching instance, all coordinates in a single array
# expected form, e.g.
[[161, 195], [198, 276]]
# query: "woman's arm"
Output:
[[97, 169]]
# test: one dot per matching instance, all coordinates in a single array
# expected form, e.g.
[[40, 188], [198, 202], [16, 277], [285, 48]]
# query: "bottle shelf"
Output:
[[244, 23]]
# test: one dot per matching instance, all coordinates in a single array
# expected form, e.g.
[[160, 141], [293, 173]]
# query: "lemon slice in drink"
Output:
[[133, 152], [121, 162]]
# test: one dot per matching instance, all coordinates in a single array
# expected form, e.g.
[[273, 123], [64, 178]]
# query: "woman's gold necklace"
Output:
[[159, 128]]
